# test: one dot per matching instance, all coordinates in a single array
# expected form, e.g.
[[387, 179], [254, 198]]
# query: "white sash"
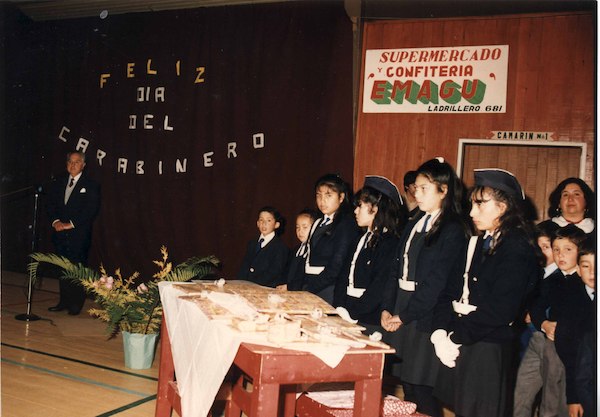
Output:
[[403, 282], [308, 268], [462, 306], [350, 290]]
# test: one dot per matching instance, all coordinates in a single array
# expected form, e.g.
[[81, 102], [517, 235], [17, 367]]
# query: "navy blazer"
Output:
[[295, 271], [546, 305], [331, 246], [574, 318], [371, 271], [498, 284], [81, 210], [434, 265], [267, 267]]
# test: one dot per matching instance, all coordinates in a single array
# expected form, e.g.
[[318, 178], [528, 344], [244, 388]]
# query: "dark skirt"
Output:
[[480, 384], [418, 364]]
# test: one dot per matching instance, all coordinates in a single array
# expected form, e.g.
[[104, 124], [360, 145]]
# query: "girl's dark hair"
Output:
[[313, 214], [547, 228], [337, 184], [512, 219], [390, 215], [454, 205], [278, 218], [588, 195]]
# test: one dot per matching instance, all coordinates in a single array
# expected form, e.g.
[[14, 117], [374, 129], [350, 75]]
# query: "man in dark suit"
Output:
[[73, 203]]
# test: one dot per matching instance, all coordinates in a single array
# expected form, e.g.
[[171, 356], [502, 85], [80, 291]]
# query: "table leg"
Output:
[[367, 398], [166, 373], [289, 400], [265, 400]]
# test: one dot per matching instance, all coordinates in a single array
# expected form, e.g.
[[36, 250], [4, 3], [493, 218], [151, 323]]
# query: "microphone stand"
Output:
[[28, 316]]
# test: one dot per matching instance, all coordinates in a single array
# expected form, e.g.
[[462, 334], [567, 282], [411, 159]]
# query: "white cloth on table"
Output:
[[203, 350]]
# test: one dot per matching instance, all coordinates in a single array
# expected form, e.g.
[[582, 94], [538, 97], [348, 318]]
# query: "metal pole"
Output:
[[28, 316]]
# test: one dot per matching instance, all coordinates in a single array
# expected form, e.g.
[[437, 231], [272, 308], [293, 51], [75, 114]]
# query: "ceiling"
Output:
[[41, 10]]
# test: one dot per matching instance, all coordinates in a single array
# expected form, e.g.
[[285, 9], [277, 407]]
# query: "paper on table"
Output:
[[234, 303]]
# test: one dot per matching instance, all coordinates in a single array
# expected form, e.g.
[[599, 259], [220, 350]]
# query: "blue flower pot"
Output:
[[139, 349]]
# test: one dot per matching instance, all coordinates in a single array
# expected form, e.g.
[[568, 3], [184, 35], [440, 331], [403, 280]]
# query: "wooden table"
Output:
[[275, 374], [275, 371]]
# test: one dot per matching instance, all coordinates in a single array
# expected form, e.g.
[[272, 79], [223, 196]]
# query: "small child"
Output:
[[295, 271], [529, 377], [266, 258], [577, 319], [547, 310]]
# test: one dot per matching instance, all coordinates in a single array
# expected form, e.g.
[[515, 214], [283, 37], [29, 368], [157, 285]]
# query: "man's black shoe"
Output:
[[57, 307], [74, 312]]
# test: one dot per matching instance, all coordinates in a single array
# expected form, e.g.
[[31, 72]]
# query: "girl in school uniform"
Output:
[[379, 210], [295, 270], [331, 238], [474, 338], [429, 247], [266, 257]]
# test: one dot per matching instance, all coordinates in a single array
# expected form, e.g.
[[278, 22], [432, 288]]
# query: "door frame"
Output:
[[462, 143]]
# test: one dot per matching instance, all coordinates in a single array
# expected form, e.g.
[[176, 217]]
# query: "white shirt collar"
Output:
[[590, 292], [571, 272], [549, 269], [75, 178], [329, 216], [267, 239], [434, 215]]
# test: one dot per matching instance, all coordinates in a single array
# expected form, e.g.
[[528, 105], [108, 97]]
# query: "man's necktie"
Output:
[[69, 189], [325, 221]]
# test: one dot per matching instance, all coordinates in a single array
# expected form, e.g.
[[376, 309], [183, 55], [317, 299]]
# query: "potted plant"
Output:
[[126, 305]]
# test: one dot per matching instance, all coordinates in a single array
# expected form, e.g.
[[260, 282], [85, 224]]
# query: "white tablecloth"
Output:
[[203, 350]]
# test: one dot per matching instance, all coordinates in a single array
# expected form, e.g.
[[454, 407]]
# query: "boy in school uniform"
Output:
[[266, 258], [546, 311], [577, 319], [529, 376]]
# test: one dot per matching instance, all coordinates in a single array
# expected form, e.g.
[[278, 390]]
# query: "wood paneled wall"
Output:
[[551, 88]]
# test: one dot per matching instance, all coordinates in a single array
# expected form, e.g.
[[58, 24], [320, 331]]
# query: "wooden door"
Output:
[[539, 169]]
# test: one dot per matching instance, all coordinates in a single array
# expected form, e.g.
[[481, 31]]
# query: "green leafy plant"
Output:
[[124, 304]]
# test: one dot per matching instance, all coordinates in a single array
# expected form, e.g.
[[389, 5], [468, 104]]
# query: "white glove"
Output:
[[445, 349]]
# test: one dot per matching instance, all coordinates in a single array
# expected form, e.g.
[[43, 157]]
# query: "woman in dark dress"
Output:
[[573, 202], [429, 247]]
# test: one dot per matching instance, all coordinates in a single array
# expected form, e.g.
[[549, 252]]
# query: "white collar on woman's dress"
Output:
[[587, 224]]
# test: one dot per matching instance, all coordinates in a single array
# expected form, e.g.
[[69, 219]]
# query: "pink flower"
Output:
[[142, 288], [108, 282]]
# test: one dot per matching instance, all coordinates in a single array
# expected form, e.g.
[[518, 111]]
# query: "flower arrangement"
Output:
[[124, 304]]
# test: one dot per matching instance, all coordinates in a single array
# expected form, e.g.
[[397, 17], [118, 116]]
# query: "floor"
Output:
[[64, 366]]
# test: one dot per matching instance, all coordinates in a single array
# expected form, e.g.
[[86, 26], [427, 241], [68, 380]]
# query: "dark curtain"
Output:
[[273, 111]]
